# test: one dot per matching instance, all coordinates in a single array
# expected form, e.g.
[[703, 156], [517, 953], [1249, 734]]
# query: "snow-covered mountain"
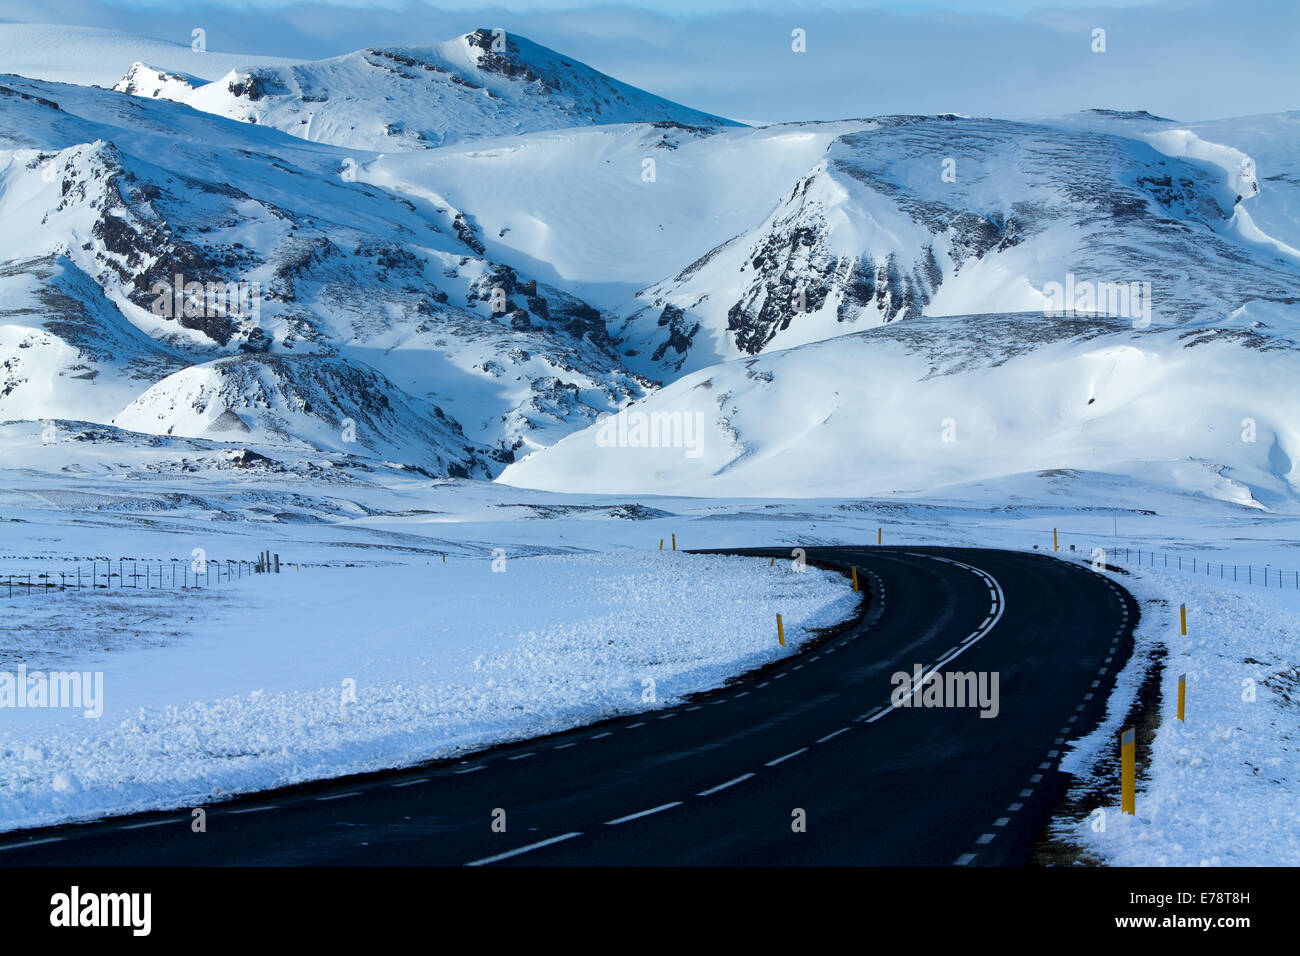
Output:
[[913, 406], [108, 199], [485, 83], [913, 216], [459, 256], [93, 56]]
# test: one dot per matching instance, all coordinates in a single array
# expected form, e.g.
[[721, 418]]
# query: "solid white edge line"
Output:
[[999, 607]]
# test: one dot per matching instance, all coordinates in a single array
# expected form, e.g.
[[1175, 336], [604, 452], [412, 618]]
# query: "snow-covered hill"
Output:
[[485, 83], [912, 216], [107, 199], [913, 406], [92, 56], [463, 253]]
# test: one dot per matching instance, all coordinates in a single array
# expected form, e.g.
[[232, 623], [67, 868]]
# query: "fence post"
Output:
[[1128, 774]]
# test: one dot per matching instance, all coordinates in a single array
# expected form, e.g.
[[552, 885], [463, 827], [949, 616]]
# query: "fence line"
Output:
[[1248, 574], [155, 573]]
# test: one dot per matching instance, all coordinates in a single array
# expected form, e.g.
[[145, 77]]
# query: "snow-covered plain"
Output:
[[331, 670], [253, 690]]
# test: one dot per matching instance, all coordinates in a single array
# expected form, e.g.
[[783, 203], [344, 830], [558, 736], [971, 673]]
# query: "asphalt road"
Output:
[[724, 778]]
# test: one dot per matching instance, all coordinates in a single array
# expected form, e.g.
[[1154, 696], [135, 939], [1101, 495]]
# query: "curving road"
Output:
[[721, 779]]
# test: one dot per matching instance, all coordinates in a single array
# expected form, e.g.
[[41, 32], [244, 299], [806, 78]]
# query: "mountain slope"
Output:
[[912, 216], [132, 194], [404, 98], [913, 406]]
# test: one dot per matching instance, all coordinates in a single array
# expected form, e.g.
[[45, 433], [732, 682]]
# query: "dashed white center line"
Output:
[[639, 723], [396, 786], [531, 753], [986, 838], [471, 769], [523, 849], [341, 796], [643, 813], [565, 746], [1001, 821], [155, 823], [18, 846], [608, 733], [842, 730], [274, 806], [793, 753], [723, 786]]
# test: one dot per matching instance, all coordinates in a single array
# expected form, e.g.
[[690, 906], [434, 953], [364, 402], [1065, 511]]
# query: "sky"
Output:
[[1185, 59]]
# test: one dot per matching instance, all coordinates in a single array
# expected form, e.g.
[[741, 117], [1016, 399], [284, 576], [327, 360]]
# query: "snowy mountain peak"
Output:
[[144, 80], [385, 99]]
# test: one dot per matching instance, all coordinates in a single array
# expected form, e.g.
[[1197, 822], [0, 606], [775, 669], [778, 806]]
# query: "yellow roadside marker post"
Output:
[[674, 541], [1182, 697], [1182, 614], [855, 580], [880, 535], [1128, 771], [780, 630], [772, 563], [661, 544], [1053, 539]]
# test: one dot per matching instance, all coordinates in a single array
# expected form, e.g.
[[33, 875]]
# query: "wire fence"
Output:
[[1246, 574], [105, 574]]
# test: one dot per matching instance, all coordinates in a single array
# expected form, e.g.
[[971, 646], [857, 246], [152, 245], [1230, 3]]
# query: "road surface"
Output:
[[805, 762]]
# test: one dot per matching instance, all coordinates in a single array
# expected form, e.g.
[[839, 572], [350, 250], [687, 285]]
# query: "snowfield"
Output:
[[1219, 788], [329, 671]]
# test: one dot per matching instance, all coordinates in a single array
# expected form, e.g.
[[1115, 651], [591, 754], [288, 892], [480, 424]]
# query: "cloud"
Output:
[[1179, 58]]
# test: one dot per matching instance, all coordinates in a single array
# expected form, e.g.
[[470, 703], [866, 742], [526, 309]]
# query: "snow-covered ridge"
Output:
[[484, 83], [912, 216], [112, 198], [916, 405]]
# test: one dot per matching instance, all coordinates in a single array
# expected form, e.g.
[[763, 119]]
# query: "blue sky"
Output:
[[1188, 59]]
